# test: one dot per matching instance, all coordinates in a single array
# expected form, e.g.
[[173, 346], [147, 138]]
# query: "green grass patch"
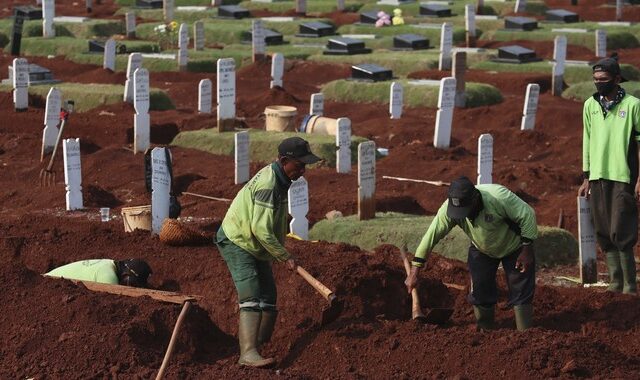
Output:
[[315, 6], [264, 145], [431, 33], [477, 94], [89, 96], [582, 91], [617, 38], [554, 246], [402, 63]]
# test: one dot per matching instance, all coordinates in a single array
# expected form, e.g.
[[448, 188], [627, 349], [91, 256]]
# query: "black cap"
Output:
[[609, 65], [136, 272], [298, 148], [461, 194]]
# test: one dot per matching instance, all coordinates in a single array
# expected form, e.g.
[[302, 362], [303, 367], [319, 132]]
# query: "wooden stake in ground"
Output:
[[172, 341], [366, 180], [586, 243]]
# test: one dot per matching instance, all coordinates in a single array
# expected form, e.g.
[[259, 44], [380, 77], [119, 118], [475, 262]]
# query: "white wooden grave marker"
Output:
[[109, 60], [258, 40], [51, 120], [142, 121], [277, 70], [20, 78], [366, 180], [343, 145], [317, 104], [48, 13], [396, 100], [446, 43], [586, 243], [444, 116], [198, 33], [226, 94], [130, 21], [520, 7], [205, 96], [241, 156], [560, 57], [340, 5], [470, 24], [485, 159], [601, 43], [619, 10], [530, 107], [134, 63], [301, 6], [459, 71], [72, 173], [161, 188], [299, 208], [168, 7], [183, 47]]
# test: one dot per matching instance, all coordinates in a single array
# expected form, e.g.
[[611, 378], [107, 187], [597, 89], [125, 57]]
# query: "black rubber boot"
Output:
[[484, 316], [628, 264], [524, 316], [615, 272], [248, 338], [267, 324]]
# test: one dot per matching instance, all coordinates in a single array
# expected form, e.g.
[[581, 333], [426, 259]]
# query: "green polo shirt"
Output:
[[256, 221], [97, 270], [494, 231], [606, 138]]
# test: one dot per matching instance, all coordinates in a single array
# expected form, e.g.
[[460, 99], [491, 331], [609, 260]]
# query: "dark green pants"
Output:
[[253, 278], [615, 215]]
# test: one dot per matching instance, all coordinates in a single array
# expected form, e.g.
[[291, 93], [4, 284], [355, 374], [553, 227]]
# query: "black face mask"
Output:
[[605, 88]]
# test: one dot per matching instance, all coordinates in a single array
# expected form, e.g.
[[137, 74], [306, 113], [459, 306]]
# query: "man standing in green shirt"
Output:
[[502, 228], [252, 236], [611, 131], [132, 272]]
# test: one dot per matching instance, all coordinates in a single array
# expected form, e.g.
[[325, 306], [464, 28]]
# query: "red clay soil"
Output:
[[54, 329]]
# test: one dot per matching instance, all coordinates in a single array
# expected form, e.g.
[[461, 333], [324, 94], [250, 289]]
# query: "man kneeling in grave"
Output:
[[131, 272], [252, 236], [502, 228]]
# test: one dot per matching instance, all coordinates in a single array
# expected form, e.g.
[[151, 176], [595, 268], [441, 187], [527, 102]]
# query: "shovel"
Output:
[[330, 312], [48, 176], [437, 316]]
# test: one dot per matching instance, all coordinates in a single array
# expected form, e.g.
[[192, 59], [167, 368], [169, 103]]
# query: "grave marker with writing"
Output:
[[396, 100], [343, 145], [366, 180], [72, 173], [340, 5], [48, 13], [109, 59], [183, 47], [134, 63], [485, 159], [299, 208], [530, 107], [226, 94], [459, 71], [301, 7], [161, 188], [470, 24], [560, 56], [520, 7], [257, 39], [20, 79], [142, 121], [198, 33], [130, 21], [586, 243], [317, 104], [205, 96], [277, 70], [619, 10], [601, 43], [241, 157], [444, 116], [51, 120], [446, 43], [168, 7]]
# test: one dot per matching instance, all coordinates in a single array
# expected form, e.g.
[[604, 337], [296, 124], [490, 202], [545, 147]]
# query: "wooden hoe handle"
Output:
[[317, 285], [416, 309]]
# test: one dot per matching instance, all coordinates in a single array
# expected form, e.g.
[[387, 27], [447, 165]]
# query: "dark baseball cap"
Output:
[[609, 65], [460, 195], [298, 148]]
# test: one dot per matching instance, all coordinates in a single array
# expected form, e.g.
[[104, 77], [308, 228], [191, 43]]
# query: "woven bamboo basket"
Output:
[[176, 234]]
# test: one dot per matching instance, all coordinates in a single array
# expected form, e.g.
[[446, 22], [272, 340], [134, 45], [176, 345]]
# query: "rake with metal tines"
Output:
[[48, 175]]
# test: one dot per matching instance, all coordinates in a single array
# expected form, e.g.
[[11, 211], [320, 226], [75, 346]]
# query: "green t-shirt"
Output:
[[97, 270], [490, 231], [606, 138]]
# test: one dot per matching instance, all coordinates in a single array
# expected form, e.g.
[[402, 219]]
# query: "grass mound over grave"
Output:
[[264, 145], [315, 6], [71, 47], [89, 96], [554, 246], [477, 94], [583, 90]]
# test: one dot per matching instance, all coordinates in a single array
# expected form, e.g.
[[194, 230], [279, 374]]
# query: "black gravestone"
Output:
[[233, 11], [96, 46], [149, 4], [28, 12], [410, 42], [516, 54], [369, 17], [562, 15], [16, 32], [435, 10], [315, 29], [271, 37], [370, 72], [345, 46], [37, 75], [520, 23]]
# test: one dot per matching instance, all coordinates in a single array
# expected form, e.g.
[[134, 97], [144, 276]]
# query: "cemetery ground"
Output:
[[56, 329]]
